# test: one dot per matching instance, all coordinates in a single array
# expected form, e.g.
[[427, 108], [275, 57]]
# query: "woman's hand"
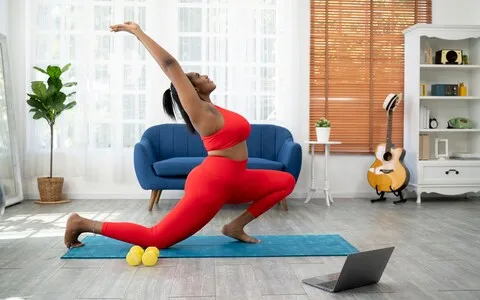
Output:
[[128, 26]]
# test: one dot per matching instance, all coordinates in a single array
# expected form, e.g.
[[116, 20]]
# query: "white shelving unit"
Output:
[[449, 98], [449, 67], [448, 130], [450, 176]]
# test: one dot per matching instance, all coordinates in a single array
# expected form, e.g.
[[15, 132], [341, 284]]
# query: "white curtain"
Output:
[[246, 47]]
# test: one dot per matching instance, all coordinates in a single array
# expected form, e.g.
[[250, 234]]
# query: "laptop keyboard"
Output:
[[329, 285]]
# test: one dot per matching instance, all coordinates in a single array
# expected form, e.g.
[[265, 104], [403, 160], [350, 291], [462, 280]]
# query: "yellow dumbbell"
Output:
[[150, 256], [137, 249], [134, 258], [154, 249]]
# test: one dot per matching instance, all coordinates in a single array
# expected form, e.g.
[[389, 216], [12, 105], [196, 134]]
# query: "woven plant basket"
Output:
[[50, 190]]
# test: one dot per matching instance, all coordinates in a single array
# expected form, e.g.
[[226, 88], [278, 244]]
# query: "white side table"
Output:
[[326, 188]]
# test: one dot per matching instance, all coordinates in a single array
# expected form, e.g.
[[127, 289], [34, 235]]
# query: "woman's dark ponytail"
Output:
[[168, 104], [169, 96]]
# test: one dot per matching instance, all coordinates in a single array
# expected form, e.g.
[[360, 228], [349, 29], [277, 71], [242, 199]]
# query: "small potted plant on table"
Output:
[[48, 103], [322, 128]]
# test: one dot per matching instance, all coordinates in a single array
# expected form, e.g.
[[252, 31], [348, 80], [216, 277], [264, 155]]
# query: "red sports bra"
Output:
[[235, 130]]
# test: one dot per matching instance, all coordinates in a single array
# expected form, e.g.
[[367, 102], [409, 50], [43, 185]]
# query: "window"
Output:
[[356, 60], [110, 71], [234, 42]]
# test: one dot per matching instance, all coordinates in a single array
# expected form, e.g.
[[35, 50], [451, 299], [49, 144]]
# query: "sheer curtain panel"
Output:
[[239, 44]]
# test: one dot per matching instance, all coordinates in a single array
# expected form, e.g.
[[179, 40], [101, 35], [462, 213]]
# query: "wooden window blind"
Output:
[[356, 60]]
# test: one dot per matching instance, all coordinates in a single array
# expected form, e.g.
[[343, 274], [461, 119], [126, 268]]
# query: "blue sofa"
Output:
[[166, 154]]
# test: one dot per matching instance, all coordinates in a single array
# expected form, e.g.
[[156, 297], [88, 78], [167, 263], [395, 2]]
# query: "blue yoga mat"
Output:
[[97, 247]]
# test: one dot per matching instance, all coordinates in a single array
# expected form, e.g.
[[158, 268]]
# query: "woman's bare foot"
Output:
[[73, 231], [237, 232]]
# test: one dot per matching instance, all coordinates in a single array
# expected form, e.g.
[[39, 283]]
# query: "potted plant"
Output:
[[48, 102], [322, 128]]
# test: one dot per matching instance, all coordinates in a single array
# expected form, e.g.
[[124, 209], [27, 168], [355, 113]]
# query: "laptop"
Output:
[[360, 269]]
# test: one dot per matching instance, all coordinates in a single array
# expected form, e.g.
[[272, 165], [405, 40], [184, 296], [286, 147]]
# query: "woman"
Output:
[[221, 178]]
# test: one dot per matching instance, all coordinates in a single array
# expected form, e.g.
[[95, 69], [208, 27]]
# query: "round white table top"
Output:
[[323, 143]]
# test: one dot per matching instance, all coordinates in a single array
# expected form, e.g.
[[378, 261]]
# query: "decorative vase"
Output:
[[323, 134], [50, 190]]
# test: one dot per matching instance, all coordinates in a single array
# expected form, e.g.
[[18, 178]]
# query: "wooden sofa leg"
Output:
[[157, 198], [284, 204], [153, 197]]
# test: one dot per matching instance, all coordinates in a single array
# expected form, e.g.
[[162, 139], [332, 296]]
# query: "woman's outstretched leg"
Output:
[[264, 188], [204, 197], [190, 215]]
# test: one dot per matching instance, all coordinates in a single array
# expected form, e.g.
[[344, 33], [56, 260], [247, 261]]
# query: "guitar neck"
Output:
[[389, 131]]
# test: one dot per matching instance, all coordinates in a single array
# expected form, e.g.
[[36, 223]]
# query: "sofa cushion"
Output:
[[177, 166], [261, 163], [181, 166]]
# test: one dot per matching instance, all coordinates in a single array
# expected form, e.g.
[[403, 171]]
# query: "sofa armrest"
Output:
[[143, 159], [291, 156]]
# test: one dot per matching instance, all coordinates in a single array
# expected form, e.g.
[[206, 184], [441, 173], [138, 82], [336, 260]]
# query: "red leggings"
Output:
[[215, 182]]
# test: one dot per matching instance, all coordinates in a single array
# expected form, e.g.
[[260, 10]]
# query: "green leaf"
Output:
[[58, 107], [58, 110], [59, 98], [57, 104], [41, 70], [52, 89], [35, 104], [72, 93], [33, 110], [70, 105], [66, 67], [33, 96], [39, 88], [55, 82], [69, 84], [39, 115], [54, 71]]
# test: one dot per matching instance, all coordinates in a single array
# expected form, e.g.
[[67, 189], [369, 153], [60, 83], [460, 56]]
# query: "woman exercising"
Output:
[[220, 179]]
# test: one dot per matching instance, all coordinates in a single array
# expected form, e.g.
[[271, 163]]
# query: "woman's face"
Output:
[[202, 83]]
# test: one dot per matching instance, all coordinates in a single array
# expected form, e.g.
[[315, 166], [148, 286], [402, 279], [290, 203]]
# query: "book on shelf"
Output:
[[424, 117], [424, 151]]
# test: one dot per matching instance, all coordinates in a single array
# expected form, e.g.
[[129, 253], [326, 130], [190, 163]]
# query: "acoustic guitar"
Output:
[[388, 173]]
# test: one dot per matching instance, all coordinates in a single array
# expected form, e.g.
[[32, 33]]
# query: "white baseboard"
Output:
[[100, 196], [174, 194], [177, 194], [344, 195]]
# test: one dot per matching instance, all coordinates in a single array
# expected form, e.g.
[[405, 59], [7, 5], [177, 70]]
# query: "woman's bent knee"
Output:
[[285, 182], [289, 182]]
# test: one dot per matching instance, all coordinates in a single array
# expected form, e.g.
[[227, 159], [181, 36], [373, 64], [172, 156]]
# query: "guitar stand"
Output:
[[397, 193]]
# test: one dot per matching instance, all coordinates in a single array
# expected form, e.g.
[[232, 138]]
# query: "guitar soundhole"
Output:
[[387, 156]]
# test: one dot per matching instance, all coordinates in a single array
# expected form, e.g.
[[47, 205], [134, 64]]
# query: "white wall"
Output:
[[3, 17], [458, 12]]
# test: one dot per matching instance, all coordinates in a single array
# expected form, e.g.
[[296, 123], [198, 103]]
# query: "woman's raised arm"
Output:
[[189, 98]]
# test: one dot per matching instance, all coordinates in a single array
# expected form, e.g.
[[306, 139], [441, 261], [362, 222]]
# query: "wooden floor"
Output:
[[437, 253]]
